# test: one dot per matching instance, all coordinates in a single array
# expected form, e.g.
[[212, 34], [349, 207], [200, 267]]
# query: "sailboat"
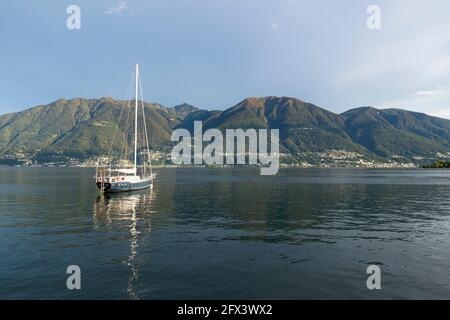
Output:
[[121, 176]]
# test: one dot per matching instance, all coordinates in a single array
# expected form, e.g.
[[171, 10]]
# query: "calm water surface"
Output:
[[226, 233]]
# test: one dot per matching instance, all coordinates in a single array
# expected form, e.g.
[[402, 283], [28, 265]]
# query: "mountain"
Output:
[[184, 109], [397, 132], [83, 128], [305, 127], [79, 127]]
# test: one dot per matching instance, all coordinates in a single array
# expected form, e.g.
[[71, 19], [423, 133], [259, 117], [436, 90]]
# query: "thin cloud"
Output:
[[433, 92], [275, 25], [117, 9], [431, 101]]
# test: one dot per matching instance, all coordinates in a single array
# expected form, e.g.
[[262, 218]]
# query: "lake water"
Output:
[[226, 234]]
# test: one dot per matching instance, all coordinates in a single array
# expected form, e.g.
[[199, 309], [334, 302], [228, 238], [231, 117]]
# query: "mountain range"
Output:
[[83, 128]]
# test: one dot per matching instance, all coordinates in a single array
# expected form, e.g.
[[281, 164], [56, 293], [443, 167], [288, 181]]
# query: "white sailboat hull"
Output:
[[124, 186]]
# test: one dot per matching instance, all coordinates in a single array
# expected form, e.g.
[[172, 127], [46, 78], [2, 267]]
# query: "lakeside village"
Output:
[[328, 159]]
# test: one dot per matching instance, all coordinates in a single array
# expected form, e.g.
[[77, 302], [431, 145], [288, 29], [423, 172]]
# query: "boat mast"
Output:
[[136, 120], [145, 131]]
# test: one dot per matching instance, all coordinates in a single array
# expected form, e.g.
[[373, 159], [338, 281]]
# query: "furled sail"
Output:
[[127, 171]]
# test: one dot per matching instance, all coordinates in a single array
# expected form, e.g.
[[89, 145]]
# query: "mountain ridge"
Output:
[[81, 127]]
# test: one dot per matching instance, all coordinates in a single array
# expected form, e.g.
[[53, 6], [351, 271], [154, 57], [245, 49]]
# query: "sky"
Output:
[[215, 53]]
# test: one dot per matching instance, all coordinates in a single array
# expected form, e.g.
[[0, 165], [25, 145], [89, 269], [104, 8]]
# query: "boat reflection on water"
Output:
[[131, 211]]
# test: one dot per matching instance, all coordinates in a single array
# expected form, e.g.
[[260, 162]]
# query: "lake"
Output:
[[226, 234]]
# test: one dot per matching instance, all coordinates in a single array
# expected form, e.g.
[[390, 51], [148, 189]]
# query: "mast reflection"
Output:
[[132, 211]]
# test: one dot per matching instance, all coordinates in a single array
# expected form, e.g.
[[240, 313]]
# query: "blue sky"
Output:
[[214, 53]]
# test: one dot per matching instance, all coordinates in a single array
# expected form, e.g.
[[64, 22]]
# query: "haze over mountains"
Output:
[[83, 128]]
